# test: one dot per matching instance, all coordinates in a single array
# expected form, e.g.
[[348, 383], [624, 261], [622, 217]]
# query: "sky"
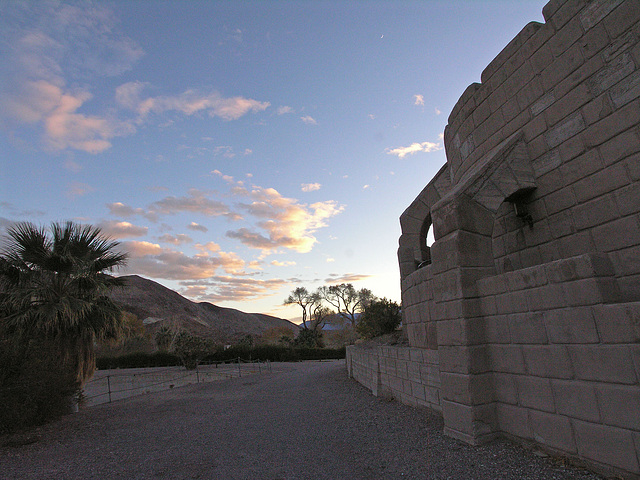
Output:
[[238, 150]]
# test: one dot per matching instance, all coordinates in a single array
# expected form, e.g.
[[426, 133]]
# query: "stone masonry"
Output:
[[523, 316]]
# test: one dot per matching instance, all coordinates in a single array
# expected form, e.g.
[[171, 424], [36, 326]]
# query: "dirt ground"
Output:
[[302, 421]]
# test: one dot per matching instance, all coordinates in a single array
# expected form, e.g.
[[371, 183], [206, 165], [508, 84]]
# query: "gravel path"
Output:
[[303, 421]]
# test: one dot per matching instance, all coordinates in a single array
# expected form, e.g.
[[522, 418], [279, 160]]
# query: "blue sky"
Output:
[[238, 150]]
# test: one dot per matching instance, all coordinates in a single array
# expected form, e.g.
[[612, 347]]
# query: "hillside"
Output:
[[157, 305]]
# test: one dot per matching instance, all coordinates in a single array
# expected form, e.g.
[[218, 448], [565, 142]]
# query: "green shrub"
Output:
[[139, 360], [308, 338], [272, 353], [35, 386], [275, 353], [191, 349], [379, 317]]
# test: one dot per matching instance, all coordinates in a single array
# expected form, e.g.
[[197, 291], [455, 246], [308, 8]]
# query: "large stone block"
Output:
[[618, 323], [507, 359], [620, 405], [473, 425], [616, 123], [607, 445], [601, 183], [460, 213], [604, 363], [577, 168], [504, 386], [528, 328], [576, 399], [535, 393], [628, 199], [616, 235], [514, 420], [571, 325], [595, 11], [564, 130], [550, 361], [622, 18], [552, 430], [466, 360]]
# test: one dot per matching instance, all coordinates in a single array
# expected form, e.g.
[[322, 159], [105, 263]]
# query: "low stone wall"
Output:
[[410, 375]]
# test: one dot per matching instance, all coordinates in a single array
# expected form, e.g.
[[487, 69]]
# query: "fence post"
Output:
[[239, 371], [197, 375], [109, 386]]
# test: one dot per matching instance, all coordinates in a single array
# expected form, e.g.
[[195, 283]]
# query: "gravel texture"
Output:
[[302, 421]]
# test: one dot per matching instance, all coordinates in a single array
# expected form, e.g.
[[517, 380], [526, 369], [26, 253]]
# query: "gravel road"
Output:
[[302, 421]]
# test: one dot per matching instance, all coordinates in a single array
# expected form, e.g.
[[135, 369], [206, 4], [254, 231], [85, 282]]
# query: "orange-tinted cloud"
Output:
[[154, 261], [346, 278], [178, 239], [286, 222], [232, 289], [116, 229]]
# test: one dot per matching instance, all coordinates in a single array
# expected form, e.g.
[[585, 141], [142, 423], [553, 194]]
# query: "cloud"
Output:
[[78, 189], [286, 222], [119, 209], [195, 202], [336, 278], [178, 239], [227, 178], [12, 210], [116, 229], [284, 109], [55, 110], [308, 120], [72, 166], [51, 45], [208, 247], [152, 260], [427, 147], [371, 116], [310, 187], [197, 227], [189, 102], [418, 100], [277, 263], [232, 289], [437, 110]]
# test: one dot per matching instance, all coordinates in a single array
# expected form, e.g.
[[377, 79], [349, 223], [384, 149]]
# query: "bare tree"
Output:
[[318, 312], [348, 301], [301, 296]]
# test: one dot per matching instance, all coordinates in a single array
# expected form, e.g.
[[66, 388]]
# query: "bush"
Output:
[[139, 360], [191, 349], [35, 387], [379, 317], [275, 353], [272, 353], [308, 338]]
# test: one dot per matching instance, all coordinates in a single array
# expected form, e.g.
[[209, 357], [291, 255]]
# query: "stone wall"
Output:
[[530, 294], [410, 375]]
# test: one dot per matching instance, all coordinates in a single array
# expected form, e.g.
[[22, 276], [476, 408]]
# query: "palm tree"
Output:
[[53, 289]]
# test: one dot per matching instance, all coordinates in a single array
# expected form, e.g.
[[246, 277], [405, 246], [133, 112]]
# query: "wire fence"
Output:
[[107, 386]]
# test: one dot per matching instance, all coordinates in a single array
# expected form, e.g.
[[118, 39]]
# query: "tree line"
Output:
[[360, 311]]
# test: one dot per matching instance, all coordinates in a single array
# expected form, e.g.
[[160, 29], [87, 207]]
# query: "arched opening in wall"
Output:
[[518, 231], [426, 240]]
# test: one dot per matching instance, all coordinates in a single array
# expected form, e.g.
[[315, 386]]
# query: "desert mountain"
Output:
[[157, 305]]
